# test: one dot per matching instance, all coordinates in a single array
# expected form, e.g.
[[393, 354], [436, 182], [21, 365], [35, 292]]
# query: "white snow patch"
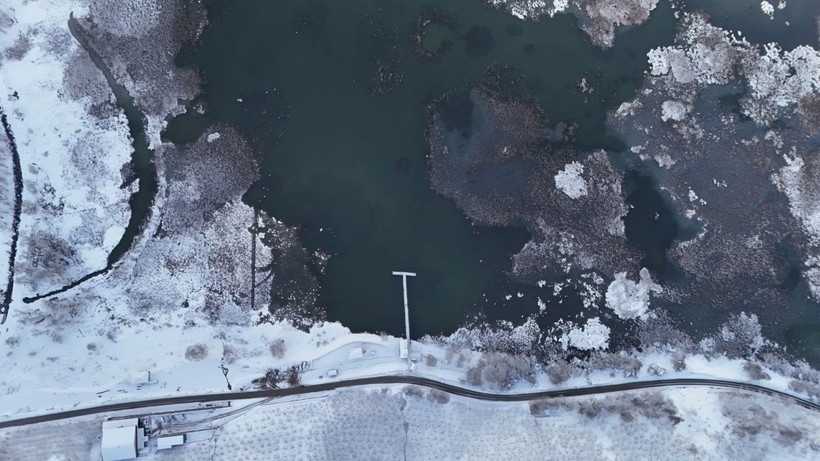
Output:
[[630, 299], [213, 137], [674, 110], [559, 6], [112, 236], [570, 181], [593, 335], [767, 9]]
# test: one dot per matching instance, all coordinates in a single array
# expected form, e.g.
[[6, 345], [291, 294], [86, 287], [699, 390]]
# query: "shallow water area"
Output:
[[333, 97]]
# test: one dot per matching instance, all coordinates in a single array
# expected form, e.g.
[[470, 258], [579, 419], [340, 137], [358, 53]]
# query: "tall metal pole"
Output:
[[404, 276]]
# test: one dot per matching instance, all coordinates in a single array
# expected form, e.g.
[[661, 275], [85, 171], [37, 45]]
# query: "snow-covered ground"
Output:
[[73, 142], [407, 422], [91, 369]]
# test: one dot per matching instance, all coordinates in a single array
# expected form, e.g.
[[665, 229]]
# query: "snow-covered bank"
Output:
[[408, 422], [599, 19], [183, 360]]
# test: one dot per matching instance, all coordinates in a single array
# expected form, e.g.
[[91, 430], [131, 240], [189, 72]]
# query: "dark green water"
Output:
[[350, 168]]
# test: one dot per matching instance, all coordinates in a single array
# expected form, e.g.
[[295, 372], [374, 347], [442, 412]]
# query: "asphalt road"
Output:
[[416, 380]]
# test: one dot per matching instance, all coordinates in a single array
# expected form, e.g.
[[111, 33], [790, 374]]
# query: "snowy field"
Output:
[[419, 424], [73, 143]]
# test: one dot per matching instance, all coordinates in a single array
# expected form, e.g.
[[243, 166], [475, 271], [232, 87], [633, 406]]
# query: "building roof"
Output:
[[355, 353], [119, 440], [170, 441]]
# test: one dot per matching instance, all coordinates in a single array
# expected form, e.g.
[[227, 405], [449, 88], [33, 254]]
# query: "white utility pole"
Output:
[[404, 276]]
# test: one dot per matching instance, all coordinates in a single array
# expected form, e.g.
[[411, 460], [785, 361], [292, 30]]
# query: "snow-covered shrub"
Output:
[[808, 388], [679, 361], [652, 405], [55, 314], [277, 348], [229, 354], [45, 257], [435, 395], [749, 419], [755, 372], [656, 370], [560, 371], [474, 376], [501, 370], [450, 352], [431, 360], [545, 406], [196, 352], [659, 332], [413, 391], [629, 366], [740, 336]]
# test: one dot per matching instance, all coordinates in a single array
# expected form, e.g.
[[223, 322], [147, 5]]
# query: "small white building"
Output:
[[355, 353], [164, 443], [121, 439]]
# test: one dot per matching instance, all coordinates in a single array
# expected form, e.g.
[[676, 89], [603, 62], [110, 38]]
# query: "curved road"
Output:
[[416, 380]]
